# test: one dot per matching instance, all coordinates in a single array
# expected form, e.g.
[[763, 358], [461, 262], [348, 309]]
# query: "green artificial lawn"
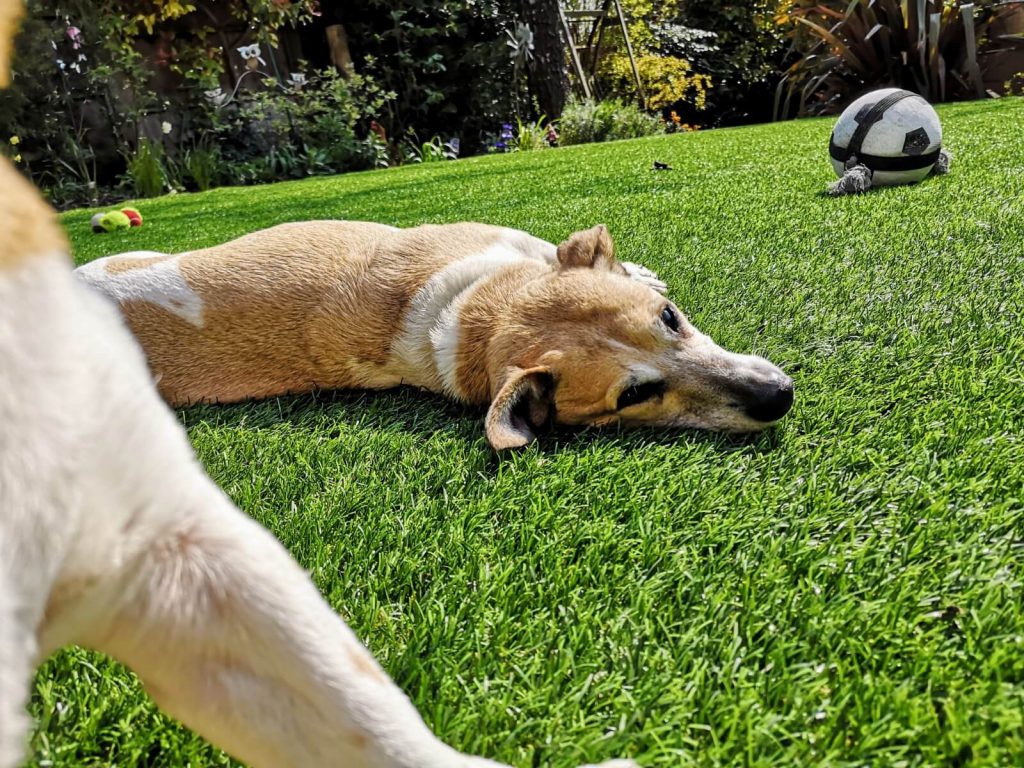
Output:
[[843, 590]]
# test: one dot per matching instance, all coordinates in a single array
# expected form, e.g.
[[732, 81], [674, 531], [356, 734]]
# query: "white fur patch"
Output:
[[428, 347], [642, 274], [161, 283], [530, 246]]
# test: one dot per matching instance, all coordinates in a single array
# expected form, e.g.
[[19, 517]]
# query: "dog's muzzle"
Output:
[[770, 401]]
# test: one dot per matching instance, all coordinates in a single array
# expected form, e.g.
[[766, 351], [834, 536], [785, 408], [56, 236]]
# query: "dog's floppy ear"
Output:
[[523, 403], [591, 248]]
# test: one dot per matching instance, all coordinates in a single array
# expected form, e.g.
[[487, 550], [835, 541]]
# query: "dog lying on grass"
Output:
[[486, 315], [111, 536]]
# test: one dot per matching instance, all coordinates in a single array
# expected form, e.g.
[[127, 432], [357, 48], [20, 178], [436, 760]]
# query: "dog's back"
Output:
[[297, 306], [75, 403], [31, 273]]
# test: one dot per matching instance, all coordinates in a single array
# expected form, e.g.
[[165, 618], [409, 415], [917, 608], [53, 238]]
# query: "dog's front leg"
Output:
[[230, 636], [17, 652], [646, 276]]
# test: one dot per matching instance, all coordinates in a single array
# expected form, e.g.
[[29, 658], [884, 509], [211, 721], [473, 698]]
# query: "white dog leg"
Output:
[[229, 635], [16, 665]]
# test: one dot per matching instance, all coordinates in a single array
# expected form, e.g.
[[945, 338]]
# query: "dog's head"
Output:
[[589, 345]]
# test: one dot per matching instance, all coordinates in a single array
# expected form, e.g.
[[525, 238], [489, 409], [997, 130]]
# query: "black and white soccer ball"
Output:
[[886, 137]]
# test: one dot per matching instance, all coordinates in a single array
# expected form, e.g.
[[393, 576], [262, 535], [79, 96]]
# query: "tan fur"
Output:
[[332, 304], [11, 12], [364, 304], [589, 249], [121, 265], [598, 321], [480, 322], [28, 224], [112, 537], [290, 309], [338, 304]]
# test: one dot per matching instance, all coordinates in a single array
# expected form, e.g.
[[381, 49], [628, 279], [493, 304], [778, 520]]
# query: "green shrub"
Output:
[[628, 122], [447, 61], [739, 45], [432, 151], [530, 135], [849, 46], [287, 132], [667, 75], [146, 170], [203, 167], [585, 121]]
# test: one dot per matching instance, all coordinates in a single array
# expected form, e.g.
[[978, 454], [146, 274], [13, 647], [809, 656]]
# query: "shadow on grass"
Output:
[[427, 416]]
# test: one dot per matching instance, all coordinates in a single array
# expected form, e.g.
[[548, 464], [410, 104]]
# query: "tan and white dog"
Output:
[[483, 314], [111, 536]]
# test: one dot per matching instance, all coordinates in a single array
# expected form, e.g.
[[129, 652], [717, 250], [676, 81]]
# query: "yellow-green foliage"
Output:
[[666, 79]]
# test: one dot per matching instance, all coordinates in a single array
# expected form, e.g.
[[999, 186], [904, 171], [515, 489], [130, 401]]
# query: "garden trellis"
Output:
[[588, 23]]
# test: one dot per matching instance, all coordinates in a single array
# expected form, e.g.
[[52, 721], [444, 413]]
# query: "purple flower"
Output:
[[500, 146]]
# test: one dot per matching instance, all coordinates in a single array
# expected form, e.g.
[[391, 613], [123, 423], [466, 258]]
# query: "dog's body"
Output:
[[322, 304], [112, 536], [480, 313]]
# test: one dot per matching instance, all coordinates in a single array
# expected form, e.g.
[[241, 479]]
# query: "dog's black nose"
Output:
[[772, 401]]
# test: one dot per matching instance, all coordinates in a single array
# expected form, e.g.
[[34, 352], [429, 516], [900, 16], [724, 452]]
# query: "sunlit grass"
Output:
[[845, 590]]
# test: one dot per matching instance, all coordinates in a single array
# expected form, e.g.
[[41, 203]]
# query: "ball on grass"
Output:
[[111, 221], [886, 137], [133, 216]]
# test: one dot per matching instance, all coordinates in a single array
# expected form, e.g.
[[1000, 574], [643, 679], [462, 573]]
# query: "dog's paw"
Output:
[[647, 277]]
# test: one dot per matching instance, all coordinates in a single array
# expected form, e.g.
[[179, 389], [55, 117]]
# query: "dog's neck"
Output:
[[445, 345], [480, 364]]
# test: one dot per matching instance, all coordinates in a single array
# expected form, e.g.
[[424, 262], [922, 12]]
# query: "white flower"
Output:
[[165, 127], [298, 79], [250, 52], [60, 64], [521, 43]]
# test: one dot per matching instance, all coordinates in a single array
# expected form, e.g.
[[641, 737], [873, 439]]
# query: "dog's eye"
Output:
[[670, 319], [640, 393]]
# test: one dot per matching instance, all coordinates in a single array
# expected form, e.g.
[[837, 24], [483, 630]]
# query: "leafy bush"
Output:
[[667, 77], [306, 128], [146, 170], [531, 135], [927, 46], [667, 80], [432, 151], [739, 45], [446, 61], [204, 167], [585, 121]]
